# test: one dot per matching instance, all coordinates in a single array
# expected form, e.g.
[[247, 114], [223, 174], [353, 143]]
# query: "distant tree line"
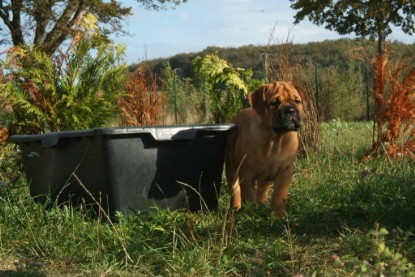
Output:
[[328, 53]]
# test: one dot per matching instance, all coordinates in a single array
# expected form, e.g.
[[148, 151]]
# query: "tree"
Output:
[[365, 18], [182, 99], [46, 24], [175, 95]]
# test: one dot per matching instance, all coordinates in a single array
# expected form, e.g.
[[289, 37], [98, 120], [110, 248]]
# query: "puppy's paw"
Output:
[[281, 213], [280, 209], [237, 206]]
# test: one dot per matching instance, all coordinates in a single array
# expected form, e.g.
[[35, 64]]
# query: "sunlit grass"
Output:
[[335, 201]]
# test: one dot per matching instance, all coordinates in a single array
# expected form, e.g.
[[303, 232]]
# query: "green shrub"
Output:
[[342, 93], [74, 90], [226, 86]]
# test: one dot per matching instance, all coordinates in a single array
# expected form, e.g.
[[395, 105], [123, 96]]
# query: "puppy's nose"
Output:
[[290, 110]]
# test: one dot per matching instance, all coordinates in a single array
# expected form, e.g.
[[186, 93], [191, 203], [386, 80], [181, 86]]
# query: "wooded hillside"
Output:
[[327, 53]]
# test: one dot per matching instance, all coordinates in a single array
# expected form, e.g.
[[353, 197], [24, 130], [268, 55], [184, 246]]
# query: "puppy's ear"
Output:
[[257, 100], [303, 95]]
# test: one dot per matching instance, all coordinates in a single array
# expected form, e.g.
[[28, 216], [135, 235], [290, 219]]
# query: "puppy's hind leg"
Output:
[[234, 181], [262, 192], [236, 194], [234, 185]]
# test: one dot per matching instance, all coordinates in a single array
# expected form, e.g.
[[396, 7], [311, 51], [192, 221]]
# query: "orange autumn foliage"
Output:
[[141, 104], [394, 100]]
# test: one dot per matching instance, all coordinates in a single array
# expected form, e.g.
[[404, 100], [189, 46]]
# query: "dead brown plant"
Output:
[[394, 106], [142, 103]]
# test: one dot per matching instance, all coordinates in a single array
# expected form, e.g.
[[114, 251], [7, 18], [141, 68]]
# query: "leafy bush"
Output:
[[74, 90], [227, 86], [382, 259]]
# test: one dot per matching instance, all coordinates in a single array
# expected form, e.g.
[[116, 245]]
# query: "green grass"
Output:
[[346, 217]]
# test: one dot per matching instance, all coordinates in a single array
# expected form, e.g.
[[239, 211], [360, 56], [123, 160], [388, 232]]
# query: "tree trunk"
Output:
[[380, 41], [15, 24]]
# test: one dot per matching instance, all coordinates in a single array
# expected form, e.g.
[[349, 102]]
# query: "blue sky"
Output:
[[197, 24]]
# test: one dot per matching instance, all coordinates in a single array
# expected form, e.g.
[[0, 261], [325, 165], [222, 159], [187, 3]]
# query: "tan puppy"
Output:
[[264, 145]]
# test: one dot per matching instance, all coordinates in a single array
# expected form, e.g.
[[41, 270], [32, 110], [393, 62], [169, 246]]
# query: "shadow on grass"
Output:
[[19, 273], [383, 199], [379, 199]]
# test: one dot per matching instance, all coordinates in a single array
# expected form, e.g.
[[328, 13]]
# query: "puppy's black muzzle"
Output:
[[287, 119]]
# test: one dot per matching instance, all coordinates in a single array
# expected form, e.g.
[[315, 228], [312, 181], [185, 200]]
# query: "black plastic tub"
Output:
[[127, 169]]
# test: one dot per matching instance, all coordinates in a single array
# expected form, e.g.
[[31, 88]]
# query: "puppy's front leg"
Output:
[[282, 185], [242, 190]]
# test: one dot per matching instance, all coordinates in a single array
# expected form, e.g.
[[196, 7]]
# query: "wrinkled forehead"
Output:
[[283, 90]]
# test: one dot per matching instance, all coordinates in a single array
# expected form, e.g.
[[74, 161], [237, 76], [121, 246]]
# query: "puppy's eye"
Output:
[[274, 102], [298, 101]]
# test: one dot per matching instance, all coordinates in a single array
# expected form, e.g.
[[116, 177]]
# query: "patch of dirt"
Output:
[[10, 267]]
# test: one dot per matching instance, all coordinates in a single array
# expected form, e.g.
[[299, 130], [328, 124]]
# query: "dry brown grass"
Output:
[[280, 68]]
